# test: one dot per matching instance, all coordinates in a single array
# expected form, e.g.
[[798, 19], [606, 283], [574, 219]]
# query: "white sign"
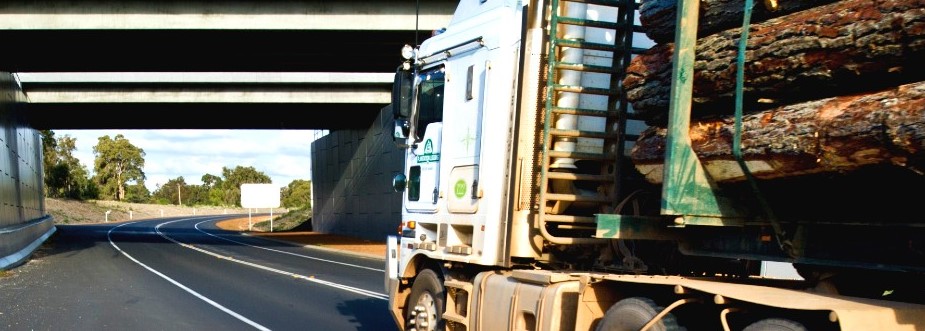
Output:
[[259, 196]]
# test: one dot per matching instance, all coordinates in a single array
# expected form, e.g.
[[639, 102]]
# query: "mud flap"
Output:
[[391, 263]]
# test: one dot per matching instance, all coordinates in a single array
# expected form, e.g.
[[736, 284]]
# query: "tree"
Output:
[[117, 162], [137, 193], [213, 186], [233, 178], [298, 194], [49, 159], [65, 176], [171, 192]]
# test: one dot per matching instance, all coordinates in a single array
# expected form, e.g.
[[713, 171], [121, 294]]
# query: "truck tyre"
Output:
[[426, 302], [633, 313], [775, 324]]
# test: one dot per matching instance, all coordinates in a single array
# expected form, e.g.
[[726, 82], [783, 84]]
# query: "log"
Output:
[[845, 47], [832, 135], [658, 17]]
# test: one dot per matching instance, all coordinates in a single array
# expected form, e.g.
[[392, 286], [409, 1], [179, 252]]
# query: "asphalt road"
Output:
[[187, 274]]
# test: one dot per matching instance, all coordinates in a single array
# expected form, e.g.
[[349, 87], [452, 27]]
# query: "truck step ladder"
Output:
[[553, 203], [457, 304]]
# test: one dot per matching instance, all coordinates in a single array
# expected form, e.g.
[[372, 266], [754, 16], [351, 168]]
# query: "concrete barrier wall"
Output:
[[24, 224], [352, 181]]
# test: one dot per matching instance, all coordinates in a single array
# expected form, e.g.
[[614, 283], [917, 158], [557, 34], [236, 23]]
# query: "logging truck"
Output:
[[662, 165]]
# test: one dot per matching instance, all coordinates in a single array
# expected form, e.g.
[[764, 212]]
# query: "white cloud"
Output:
[[284, 155]]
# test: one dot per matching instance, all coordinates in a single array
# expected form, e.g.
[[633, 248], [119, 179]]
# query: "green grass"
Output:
[[288, 221]]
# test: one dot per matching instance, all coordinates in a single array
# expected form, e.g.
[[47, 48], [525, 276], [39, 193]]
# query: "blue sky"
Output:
[[284, 155]]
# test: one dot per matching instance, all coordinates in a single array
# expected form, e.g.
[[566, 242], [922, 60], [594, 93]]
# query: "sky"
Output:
[[284, 155]]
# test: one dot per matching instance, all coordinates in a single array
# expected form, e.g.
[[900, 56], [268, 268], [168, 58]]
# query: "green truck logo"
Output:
[[429, 155]]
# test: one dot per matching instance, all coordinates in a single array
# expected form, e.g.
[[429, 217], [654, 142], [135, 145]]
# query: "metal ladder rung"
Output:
[[453, 316], [584, 112], [591, 23], [570, 219], [465, 286], [582, 134], [586, 68], [586, 45], [583, 89], [608, 3], [638, 50], [593, 112], [582, 156], [576, 198], [574, 176]]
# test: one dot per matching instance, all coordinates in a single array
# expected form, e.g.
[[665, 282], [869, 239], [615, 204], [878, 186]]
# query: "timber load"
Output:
[[659, 16], [828, 89]]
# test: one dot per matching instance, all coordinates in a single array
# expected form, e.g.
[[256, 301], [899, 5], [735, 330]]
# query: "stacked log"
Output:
[[828, 88], [838, 134], [659, 16]]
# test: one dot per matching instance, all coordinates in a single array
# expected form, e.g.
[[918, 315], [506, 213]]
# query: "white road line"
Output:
[[187, 289], [282, 272], [284, 252]]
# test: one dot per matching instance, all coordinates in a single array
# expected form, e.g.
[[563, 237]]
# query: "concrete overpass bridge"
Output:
[[293, 61], [108, 64]]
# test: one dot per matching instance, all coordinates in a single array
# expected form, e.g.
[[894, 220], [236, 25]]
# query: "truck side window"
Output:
[[414, 183], [430, 99]]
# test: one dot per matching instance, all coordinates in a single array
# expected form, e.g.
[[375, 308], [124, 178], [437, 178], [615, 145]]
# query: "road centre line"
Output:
[[284, 252], [176, 283], [282, 272]]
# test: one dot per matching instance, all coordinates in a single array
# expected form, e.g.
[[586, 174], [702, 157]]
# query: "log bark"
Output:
[[658, 16], [844, 47], [832, 135]]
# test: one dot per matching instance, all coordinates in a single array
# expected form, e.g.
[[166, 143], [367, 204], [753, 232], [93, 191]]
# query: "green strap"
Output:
[[779, 232]]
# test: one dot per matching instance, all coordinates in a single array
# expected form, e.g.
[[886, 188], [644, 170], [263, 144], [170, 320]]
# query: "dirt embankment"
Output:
[[85, 212], [66, 211]]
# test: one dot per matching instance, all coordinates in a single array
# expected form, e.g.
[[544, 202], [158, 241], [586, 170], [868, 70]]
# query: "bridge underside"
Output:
[[257, 104], [201, 116], [360, 38], [202, 50]]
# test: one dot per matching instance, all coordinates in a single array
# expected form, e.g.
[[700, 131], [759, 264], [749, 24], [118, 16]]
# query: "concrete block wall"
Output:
[[352, 174], [24, 225]]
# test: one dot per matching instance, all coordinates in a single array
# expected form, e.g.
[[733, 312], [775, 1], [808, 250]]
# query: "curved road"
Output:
[[187, 274]]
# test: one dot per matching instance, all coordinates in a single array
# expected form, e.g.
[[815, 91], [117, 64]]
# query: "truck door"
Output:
[[464, 138], [424, 160]]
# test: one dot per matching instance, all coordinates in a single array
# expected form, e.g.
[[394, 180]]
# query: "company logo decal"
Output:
[[429, 155], [460, 188]]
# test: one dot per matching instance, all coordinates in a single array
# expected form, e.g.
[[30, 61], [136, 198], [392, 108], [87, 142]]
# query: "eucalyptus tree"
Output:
[[65, 176], [298, 194], [117, 162], [234, 177]]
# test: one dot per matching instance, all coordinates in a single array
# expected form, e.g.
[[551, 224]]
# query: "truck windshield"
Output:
[[430, 99]]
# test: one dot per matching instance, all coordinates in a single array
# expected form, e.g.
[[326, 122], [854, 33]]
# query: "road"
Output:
[[187, 274]]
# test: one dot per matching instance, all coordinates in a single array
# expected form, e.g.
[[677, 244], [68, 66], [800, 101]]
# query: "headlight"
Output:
[[407, 52]]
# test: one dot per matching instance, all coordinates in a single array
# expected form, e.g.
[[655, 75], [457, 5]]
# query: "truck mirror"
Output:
[[402, 129], [399, 182], [401, 93]]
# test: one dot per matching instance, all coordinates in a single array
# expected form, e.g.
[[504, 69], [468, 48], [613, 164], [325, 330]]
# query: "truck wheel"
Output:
[[426, 302], [633, 313], [775, 324]]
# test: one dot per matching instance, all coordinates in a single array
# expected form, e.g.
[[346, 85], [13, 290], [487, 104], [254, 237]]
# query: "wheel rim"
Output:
[[424, 315]]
